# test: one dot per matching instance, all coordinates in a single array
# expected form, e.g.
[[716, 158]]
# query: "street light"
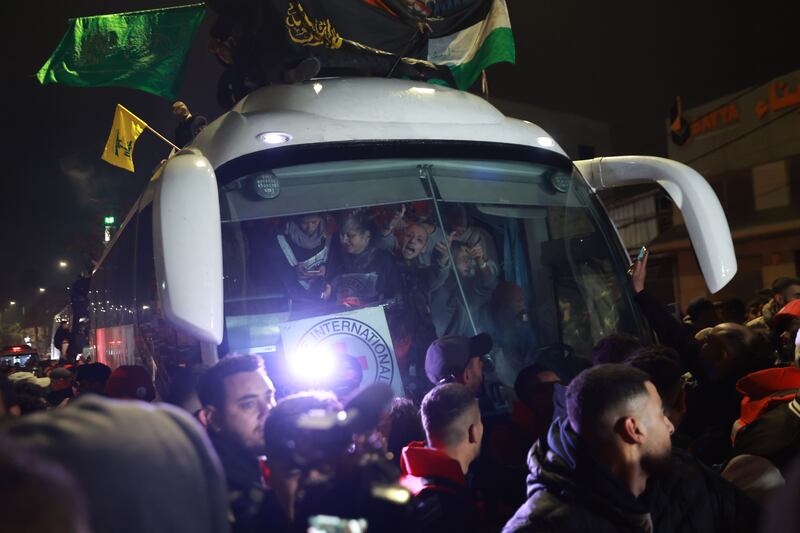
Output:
[[62, 264], [41, 289], [12, 302]]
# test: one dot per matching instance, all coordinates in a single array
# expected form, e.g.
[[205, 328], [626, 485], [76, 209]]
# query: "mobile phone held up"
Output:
[[642, 253]]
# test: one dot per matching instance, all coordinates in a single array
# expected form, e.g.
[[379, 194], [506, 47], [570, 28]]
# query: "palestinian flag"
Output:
[[469, 51]]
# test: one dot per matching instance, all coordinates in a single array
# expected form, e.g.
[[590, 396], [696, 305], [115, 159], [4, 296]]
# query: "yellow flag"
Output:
[[119, 147]]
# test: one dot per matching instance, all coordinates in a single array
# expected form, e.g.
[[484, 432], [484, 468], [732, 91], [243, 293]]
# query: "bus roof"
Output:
[[361, 109]]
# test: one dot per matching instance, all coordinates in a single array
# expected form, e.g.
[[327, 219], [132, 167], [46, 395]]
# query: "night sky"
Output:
[[619, 62]]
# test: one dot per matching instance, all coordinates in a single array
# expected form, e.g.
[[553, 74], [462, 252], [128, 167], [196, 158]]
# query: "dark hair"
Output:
[[94, 372], [30, 397], [362, 221], [406, 425], [527, 379], [733, 310], [280, 428], [615, 349], [698, 306], [441, 407], [211, 386], [781, 284], [661, 364], [598, 390], [454, 213], [749, 351]]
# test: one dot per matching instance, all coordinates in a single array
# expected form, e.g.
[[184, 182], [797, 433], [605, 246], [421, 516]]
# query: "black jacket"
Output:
[[775, 435], [246, 487], [442, 498], [568, 491]]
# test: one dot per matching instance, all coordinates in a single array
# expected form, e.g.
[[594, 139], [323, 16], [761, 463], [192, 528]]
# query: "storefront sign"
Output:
[[780, 97]]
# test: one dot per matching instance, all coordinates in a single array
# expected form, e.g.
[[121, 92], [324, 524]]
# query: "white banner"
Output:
[[360, 342]]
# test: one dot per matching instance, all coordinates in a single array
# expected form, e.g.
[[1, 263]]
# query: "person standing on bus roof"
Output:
[[188, 125], [237, 395]]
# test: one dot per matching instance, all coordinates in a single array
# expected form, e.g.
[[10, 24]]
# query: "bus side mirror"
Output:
[[187, 238], [705, 220]]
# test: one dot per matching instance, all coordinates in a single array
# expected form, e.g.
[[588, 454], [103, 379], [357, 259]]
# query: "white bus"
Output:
[[284, 228]]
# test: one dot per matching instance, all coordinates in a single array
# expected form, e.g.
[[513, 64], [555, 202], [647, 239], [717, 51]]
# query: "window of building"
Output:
[[771, 185]]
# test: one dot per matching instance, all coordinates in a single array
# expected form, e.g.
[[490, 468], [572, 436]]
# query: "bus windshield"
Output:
[[343, 272]]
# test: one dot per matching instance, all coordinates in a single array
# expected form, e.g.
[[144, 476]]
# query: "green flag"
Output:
[[144, 50]]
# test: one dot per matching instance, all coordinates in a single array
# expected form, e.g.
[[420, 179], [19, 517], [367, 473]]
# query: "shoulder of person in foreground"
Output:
[[732, 510], [540, 513]]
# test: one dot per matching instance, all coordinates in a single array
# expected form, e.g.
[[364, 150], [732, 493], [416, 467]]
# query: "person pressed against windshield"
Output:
[[478, 282], [413, 243], [360, 272], [412, 324], [304, 246], [461, 229]]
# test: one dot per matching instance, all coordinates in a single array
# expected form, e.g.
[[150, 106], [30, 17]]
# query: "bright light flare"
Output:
[[313, 364]]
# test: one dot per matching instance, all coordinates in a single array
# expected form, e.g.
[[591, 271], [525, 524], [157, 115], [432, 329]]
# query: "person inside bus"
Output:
[[419, 214], [417, 275], [458, 223], [360, 272], [509, 326], [478, 281], [299, 256], [417, 281]]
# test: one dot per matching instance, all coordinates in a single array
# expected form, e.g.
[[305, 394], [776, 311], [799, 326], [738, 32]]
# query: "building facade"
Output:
[[747, 145]]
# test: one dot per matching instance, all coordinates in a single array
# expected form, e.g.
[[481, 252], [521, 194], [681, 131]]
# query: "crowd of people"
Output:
[[696, 434]]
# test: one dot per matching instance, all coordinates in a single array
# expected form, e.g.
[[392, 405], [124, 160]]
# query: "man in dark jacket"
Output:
[[436, 474], [609, 467], [237, 395]]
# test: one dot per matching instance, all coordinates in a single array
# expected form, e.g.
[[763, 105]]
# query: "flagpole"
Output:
[[162, 137]]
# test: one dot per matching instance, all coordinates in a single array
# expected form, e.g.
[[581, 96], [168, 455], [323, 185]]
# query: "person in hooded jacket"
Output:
[[609, 467]]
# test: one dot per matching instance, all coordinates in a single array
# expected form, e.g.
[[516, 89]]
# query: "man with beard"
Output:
[[609, 467], [457, 359], [237, 395], [478, 281]]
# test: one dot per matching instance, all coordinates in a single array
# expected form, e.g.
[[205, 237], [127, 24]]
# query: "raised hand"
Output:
[[639, 273]]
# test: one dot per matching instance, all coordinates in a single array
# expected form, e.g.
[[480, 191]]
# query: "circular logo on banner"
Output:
[[363, 355]]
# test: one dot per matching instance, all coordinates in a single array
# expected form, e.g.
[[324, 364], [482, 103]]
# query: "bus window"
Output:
[[422, 249]]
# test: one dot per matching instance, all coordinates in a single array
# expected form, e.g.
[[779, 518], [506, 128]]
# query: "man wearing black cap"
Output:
[[457, 359]]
